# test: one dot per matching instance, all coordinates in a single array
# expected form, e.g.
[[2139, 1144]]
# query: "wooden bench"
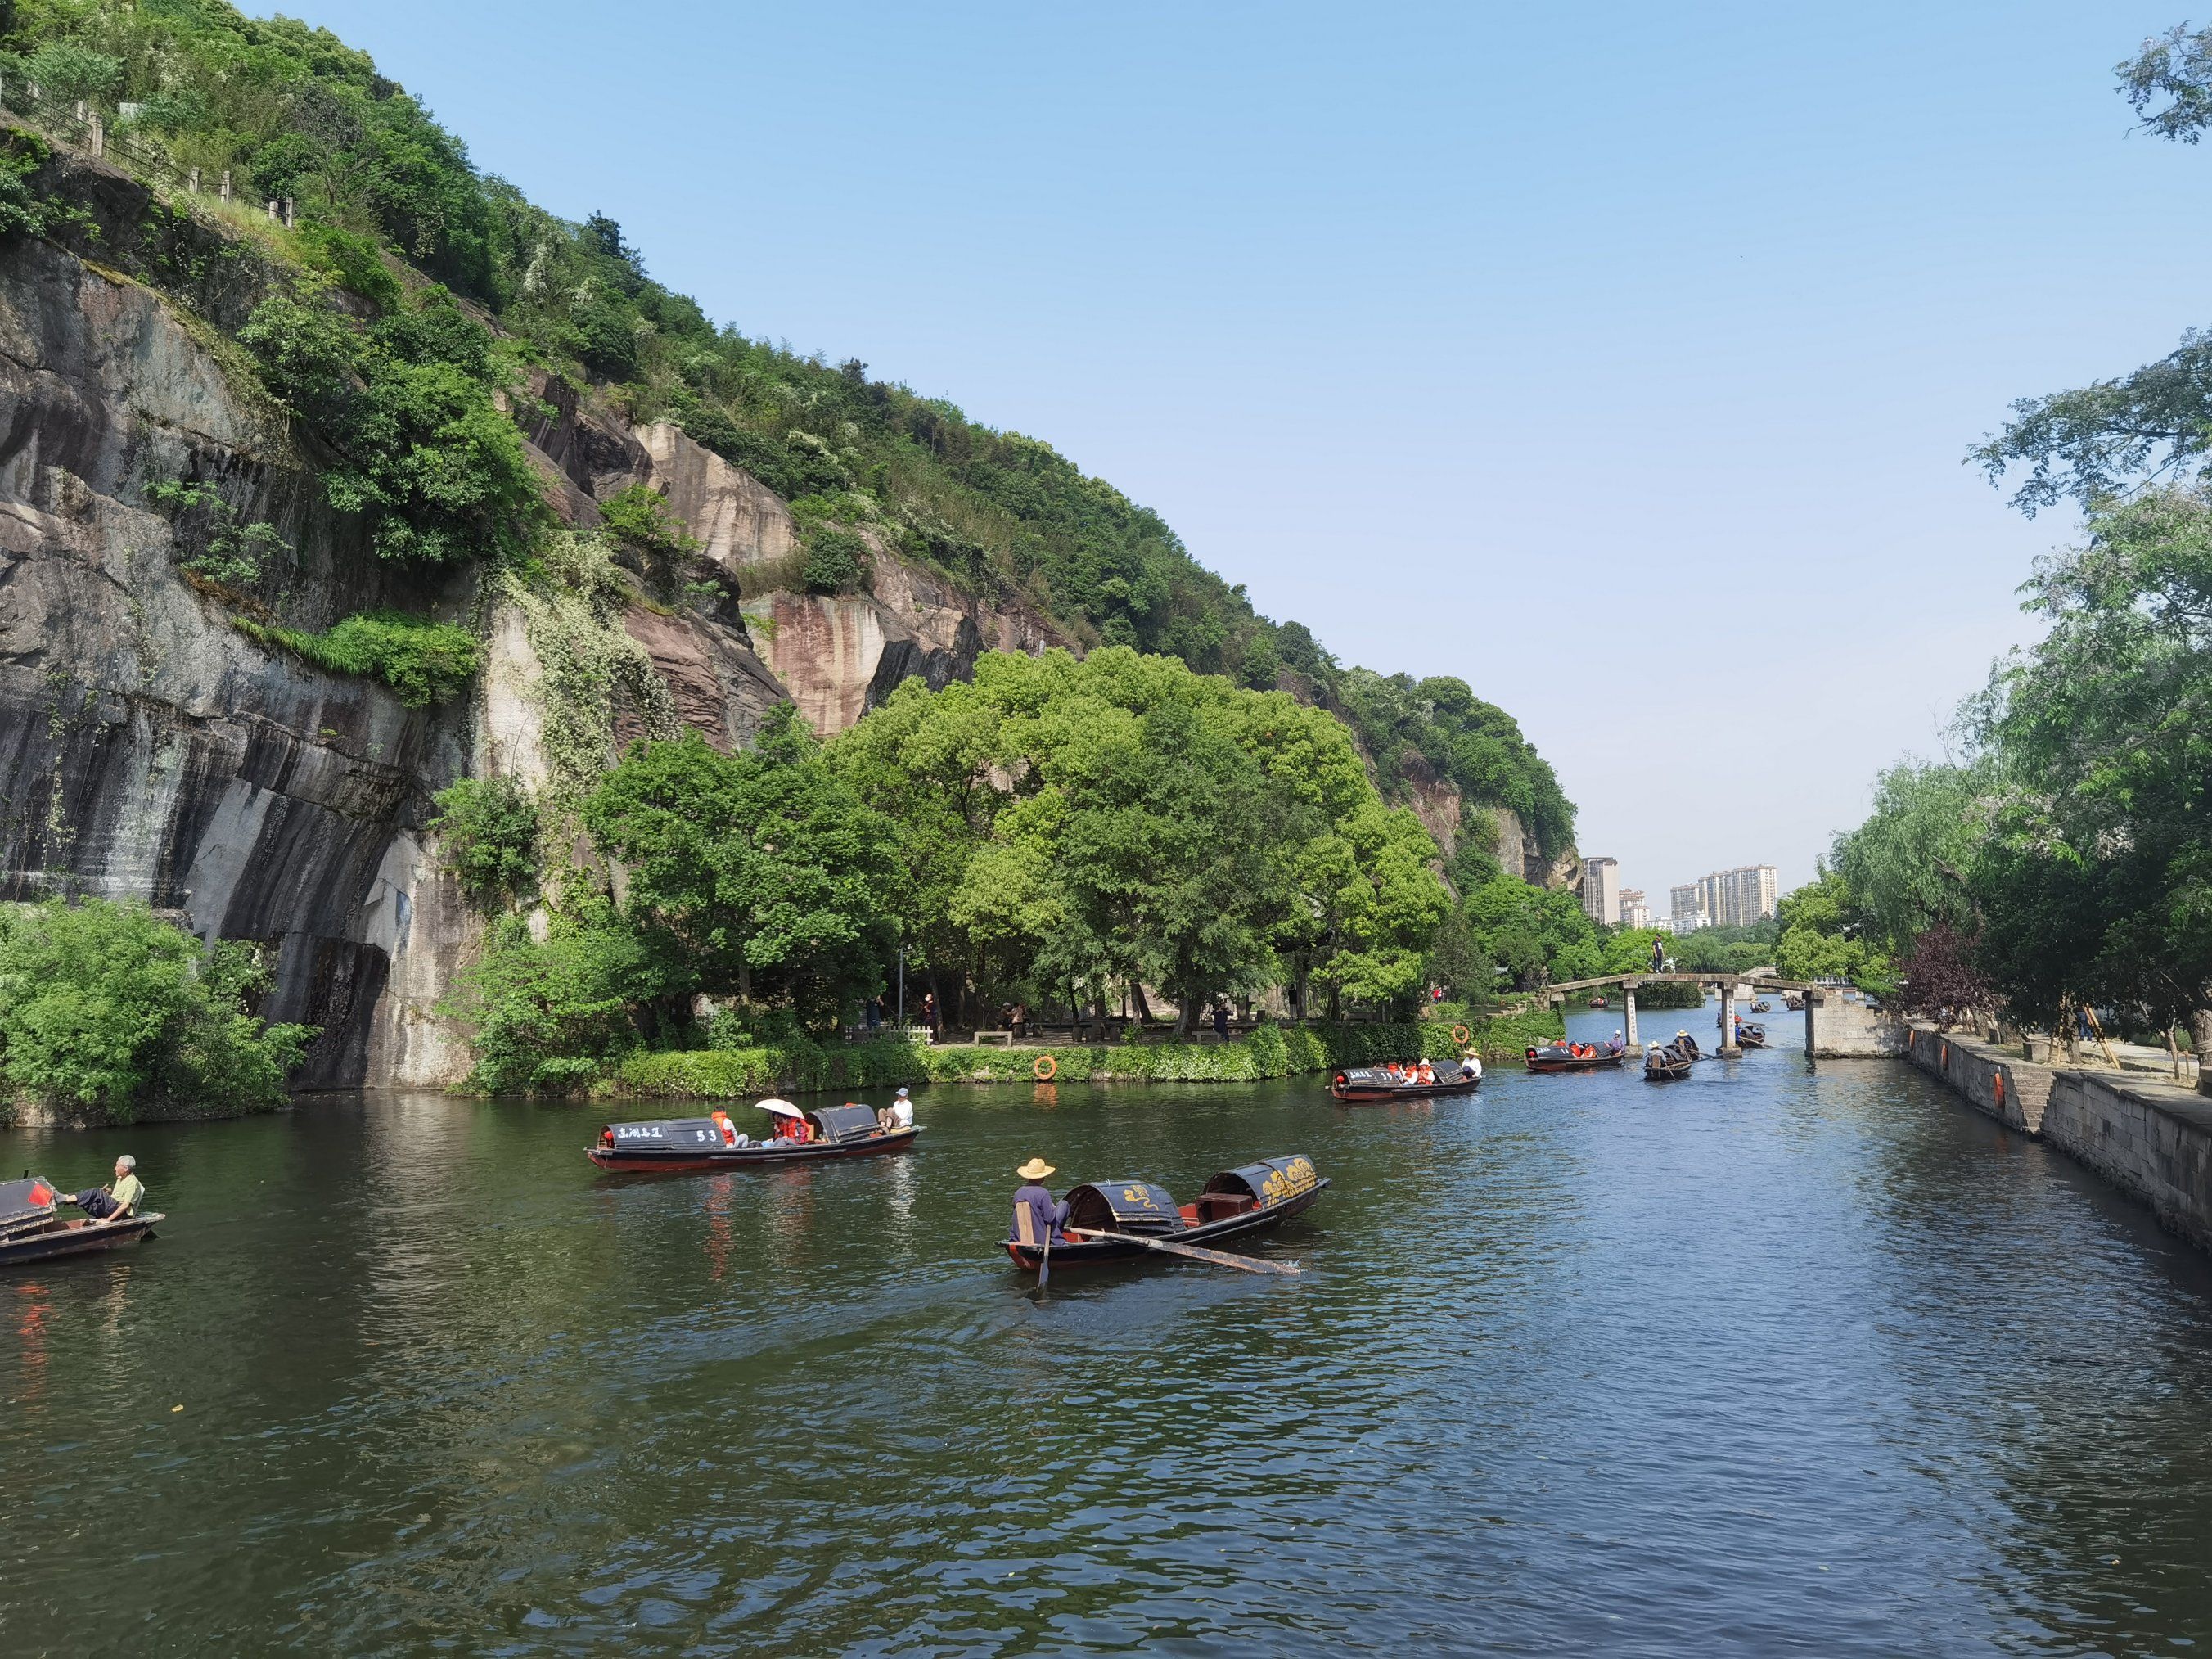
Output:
[[1003, 1039]]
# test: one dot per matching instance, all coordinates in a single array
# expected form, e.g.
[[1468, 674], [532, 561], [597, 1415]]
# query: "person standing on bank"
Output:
[[1046, 1217], [116, 1200]]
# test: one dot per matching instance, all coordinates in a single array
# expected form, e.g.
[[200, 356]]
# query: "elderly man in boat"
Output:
[[120, 1198], [1046, 1215]]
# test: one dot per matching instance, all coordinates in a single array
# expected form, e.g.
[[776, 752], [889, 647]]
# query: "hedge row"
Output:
[[1270, 1052]]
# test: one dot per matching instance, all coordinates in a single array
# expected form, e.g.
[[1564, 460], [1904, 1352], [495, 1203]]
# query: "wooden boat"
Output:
[[1663, 1065], [1750, 1036], [1553, 1058], [1233, 1203], [32, 1228], [714, 1143], [1762, 1006], [1373, 1087], [1597, 1002], [1793, 1002]]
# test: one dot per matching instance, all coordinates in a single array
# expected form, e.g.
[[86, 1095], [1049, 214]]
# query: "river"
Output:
[[1775, 1359]]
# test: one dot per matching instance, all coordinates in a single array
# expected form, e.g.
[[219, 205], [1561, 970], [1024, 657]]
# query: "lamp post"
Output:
[[901, 987]]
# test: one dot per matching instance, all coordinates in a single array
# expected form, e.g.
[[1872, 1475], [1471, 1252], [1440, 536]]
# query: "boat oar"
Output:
[[1044, 1263], [1219, 1258]]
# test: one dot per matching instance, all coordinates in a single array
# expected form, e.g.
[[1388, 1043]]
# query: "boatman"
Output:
[[1618, 1047], [1046, 1217], [118, 1200], [1470, 1065], [902, 1111]]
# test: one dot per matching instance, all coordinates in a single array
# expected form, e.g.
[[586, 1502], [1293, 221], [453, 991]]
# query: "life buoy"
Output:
[[1461, 1034], [1046, 1068]]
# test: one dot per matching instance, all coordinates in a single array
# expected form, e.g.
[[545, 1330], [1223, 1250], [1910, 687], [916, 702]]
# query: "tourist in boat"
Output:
[[118, 1198], [1618, 1047], [1426, 1076], [1047, 1217]]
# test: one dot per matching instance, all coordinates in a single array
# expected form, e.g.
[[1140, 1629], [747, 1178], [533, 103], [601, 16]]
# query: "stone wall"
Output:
[[1839, 1025], [2012, 1090], [2153, 1141]]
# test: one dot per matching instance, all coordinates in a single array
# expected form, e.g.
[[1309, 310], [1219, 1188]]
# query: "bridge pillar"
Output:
[[1730, 1047], [1628, 998]]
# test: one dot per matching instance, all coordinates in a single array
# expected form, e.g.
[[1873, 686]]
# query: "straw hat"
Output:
[[1036, 1170]]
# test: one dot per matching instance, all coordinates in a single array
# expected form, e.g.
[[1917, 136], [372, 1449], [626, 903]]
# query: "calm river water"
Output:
[[1778, 1358]]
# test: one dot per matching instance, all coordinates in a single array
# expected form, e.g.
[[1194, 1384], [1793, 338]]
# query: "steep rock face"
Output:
[[147, 748], [837, 655], [738, 521]]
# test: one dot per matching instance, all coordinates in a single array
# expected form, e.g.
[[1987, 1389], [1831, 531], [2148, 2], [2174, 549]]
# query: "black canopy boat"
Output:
[[32, 1228], [1750, 1036], [1372, 1085], [1560, 1057], [714, 1143], [1249, 1199], [1672, 1059]]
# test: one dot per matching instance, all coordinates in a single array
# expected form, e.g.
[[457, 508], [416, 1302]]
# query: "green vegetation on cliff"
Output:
[[400, 384]]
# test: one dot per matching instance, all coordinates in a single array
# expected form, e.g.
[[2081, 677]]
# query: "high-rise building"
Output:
[[1634, 912], [1737, 897], [1687, 905], [1601, 890]]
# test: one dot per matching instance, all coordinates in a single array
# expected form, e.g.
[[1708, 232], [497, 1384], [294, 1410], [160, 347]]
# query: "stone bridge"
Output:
[[1839, 1025]]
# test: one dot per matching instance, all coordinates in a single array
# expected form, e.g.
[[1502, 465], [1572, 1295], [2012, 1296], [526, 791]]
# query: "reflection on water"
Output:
[[1772, 1358]]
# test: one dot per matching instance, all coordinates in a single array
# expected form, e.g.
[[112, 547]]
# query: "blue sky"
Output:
[[1619, 363]]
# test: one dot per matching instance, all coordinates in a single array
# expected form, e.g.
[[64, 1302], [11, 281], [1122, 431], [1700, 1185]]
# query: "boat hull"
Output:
[[1596, 1063], [1354, 1094], [746, 1157], [1098, 1252], [76, 1238]]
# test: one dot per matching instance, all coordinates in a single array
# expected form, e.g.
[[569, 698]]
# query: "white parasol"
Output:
[[782, 1108]]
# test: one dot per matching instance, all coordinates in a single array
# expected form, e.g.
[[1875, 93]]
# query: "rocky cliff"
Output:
[[153, 750]]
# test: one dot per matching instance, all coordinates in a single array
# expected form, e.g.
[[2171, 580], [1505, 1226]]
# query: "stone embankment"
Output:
[[2152, 1139]]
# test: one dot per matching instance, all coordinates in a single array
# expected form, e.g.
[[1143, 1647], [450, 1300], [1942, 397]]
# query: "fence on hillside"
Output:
[[106, 135]]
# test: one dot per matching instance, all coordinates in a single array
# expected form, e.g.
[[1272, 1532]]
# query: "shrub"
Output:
[[548, 1016], [105, 1008], [836, 562], [423, 451], [210, 540], [1273, 1051], [424, 662], [489, 829], [352, 261]]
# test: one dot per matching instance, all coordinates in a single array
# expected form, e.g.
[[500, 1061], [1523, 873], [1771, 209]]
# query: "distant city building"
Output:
[[1737, 897], [1601, 890], [1686, 905], [1634, 912]]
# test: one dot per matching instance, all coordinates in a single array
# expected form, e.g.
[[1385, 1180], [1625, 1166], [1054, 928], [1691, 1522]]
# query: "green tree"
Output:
[[763, 868], [1910, 865], [488, 828], [547, 1017], [2106, 728], [105, 1007]]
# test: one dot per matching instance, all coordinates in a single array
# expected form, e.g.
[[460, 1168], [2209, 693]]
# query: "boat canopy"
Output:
[[846, 1122], [1270, 1181], [1129, 1207], [22, 1202], [669, 1133]]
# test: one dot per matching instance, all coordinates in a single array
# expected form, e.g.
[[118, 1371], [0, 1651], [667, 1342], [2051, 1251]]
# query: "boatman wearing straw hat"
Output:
[[1047, 1216]]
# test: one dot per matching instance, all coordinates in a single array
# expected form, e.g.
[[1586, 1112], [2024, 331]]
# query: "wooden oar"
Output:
[[1044, 1264], [1219, 1258]]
